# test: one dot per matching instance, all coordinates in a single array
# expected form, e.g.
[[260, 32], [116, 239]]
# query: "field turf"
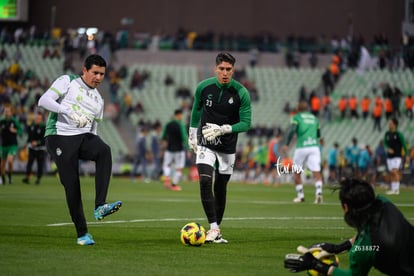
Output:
[[261, 224]]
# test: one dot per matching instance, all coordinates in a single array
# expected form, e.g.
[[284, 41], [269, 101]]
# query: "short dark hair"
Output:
[[226, 57], [94, 60], [302, 106], [178, 111], [395, 121]]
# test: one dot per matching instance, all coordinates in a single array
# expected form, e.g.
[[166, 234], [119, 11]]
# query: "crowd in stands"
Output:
[[363, 160], [22, 88]]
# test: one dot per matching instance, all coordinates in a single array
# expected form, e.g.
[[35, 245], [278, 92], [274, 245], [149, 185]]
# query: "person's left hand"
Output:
[[212, 131]]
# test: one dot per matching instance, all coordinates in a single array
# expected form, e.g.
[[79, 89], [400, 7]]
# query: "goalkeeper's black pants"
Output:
[[66, 152], [214, 204]]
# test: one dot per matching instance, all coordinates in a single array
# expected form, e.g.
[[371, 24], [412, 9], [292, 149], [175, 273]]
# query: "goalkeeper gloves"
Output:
[[297, 263], [192, 139], [334, 248], [212, 131], [79, 119]]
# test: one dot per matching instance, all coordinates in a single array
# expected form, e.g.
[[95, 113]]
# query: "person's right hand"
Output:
[[79, 119], [192, 139]]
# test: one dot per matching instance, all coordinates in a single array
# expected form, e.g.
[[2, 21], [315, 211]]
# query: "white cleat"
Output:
[[214, 236], [393, 192], [299, 199], [318, 199]]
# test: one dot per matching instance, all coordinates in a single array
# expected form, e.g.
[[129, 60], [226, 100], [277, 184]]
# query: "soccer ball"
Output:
[[330, 260], [193, 234]]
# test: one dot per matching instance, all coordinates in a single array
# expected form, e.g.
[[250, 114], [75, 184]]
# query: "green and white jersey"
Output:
[[69, 93], [307, 129]]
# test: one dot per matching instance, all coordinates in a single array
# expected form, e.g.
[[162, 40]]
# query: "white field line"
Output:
[[268, 202], [227, 219]]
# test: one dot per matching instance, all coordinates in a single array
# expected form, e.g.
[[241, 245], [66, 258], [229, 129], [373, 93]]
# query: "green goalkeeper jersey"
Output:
[[306, 127], [386, 243]]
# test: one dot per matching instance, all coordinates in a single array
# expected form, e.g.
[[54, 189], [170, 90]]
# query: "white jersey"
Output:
[[67, 94]]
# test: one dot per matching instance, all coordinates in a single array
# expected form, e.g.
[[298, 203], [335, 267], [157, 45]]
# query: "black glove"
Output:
[[333, 248], [297, 263]]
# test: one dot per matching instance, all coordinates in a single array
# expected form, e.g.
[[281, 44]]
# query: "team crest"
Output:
[[201, 155], [231, 101], [58, 151]]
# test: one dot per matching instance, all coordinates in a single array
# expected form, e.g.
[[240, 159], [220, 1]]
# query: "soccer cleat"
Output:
[[25, 180], [393, 192], [299, 199], [106, 209], [318, 199], [86, 240], [176, 188], [220, 239]]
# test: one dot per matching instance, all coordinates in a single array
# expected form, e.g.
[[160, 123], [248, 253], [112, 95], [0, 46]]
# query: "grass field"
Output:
[[261, 224]]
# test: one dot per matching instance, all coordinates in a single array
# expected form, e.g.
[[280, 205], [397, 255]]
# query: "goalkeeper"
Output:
[[384, 239], [220, 111], [75, 107]]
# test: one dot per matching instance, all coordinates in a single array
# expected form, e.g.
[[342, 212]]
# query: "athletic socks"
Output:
[[176, 177], [214, 225], [318, 186], [395, 186], [299, 191]]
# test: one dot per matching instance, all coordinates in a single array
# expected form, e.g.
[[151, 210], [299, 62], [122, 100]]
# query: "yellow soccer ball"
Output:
[[329, 260], [193, 234]]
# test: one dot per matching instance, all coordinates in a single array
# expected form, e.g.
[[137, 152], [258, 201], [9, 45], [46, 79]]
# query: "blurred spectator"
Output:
[[303, 97], [315, 104], [156, 150], [326, 104], [352, 153], [342, 106], [409, 105], [376, 115], [286, 108], [313, 59], [353, 106], [333, 162], [388, 108], [364, 162], [253, 56], [328, 81], [168, 80], [395, 98], [3, 54], [140, 159], [334, 68], [183, 92], [365, 103], [138, 79], [380, 160]]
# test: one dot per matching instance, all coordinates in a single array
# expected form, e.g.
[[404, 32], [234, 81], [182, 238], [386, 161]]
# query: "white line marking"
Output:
[[201, 219]]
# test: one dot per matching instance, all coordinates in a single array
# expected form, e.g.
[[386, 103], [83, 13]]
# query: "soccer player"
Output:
[[384, 239], [306, 127], [36, 144], [175, 135], [220, 111], [10, 127], [76, 107], [394, 144]]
